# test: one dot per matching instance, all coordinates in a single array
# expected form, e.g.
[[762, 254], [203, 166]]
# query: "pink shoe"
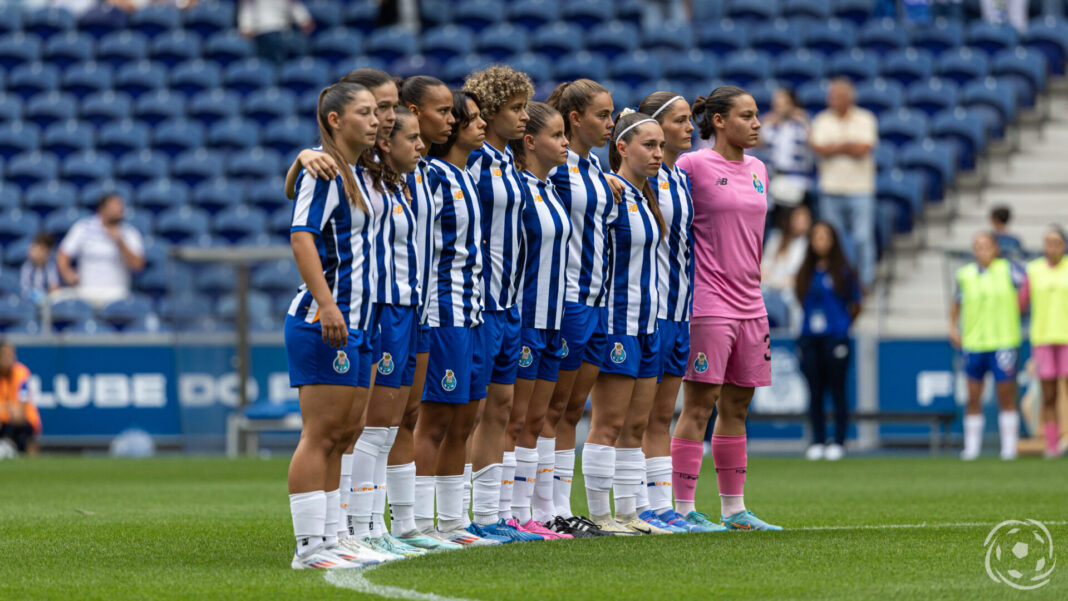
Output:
[[538, 528]]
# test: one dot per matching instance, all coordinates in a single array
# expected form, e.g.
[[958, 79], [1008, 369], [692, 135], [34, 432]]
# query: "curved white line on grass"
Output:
[[356, 580], [909, 526]]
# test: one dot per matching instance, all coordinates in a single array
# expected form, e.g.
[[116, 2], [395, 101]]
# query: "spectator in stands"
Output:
[[843, 137], [398, 12], [658, 12], [785, 133], [1002, 11], [831, 302], [269, 24], [1010, 245], [784, 250], [19, 419], [106, 249], [129, 6], [39, 275]]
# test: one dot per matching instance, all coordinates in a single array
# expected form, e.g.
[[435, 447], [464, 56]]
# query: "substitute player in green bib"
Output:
[[985, 324]]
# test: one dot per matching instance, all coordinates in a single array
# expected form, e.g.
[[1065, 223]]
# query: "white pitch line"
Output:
[[909, 526]]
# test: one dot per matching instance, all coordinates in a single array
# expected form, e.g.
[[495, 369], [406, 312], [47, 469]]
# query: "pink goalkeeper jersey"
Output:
[[729, 205]]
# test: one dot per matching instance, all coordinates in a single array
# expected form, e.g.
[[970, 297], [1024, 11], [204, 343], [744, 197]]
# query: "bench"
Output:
[[243, 427], [940, 421]]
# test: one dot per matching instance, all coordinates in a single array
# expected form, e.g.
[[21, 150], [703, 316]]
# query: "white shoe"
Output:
[[967, 455], [329, 559], [815, 452], [1008, 455], [358, 548], [834, 452]]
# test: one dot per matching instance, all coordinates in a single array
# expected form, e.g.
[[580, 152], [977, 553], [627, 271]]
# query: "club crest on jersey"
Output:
[[700, 365], [341, 363], [448, 383], [526, 358], [618, 354], [757, 184], [385, 364]]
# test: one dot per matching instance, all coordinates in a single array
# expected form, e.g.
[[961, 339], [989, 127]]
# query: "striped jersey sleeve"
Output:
[[394, 273], [454, 273], [675, 261], [500, 193], [633, 241], [546, 233]]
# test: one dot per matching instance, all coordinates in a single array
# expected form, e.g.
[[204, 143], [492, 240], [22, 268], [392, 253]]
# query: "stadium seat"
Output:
[[1050, 37], [305, 74], [854, 64], [558, 40], [776, 37], [69, 48], [227, 47], [255, 164], [1025, 68], [404, 67], [668, 38], [456, 70], [746, 66], [722, 37], [103, 107], [819, 10], [905, 189], [690, 68], [885, 157], [999, 95], [580, 65], [18, 249], [360, 15], [18, 49], [237, 222], [612, 38], [184, 307], [752, 10], [965, 130], [933, 95], [269, 104], [248, 75], [478, 15], [9, 284], [175, 136], [136, 168], [908, 66], [937, 160], [813, 95], [535, 65], [121, 48], [798, 67], [195, 166], [14, 312], [336, 44], [880, 95], [10, 197], [215, 280], [635, 69], [388, 43], [853, 11], [10, 108], [29, 79], [161, 194], [89, 327], [829, 37], [938, 37], [92, 193], [139, 78], [70, 312], [59, 222], [50, 107], [11, 18], [47, 196], [502, 40], [142, 221], [533, 13], [87, 78], [87, 166], [18, 137], [208, 18], [215, 105], [17, 223], [234, 134], [447, 42], [195, 76], [286, 134], [121, 137], [882, 36], [218, 194], [65, 137], [991, 38], [175, 47], [48, 22], [586, 13], [147, 324], [963, 65], [280, 221], [155, 19], [265, 192], [121, 313], [278, 278], [258, 305], [161, 105], [28, 168], [179, 224], [902, 126]]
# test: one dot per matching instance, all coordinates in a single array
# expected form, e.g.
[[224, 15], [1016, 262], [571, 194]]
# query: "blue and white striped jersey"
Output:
[[425, 211], [501, 194], [454, 274], [675, 263], [343, 238], [546, 233], [582, 186], [633, 242], [394, 273]]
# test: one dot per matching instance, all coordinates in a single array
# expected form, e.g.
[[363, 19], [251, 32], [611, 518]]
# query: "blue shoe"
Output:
[[481, 532], [649, 517], [705, 520], [502, 529], [745, 520], [673, 518]]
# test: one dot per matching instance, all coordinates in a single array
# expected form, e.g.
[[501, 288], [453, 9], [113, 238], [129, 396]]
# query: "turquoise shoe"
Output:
[[705, 521], [745, 520]]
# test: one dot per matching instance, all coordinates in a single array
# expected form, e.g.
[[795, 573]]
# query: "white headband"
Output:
[[632, 126], [665, 105]]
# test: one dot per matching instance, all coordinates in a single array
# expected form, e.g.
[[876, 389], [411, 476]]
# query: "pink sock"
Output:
[[1052, 436], [728, 455], [686, 458]]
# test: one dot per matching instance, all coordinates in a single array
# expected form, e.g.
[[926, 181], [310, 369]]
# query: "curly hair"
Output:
[[496, 85]]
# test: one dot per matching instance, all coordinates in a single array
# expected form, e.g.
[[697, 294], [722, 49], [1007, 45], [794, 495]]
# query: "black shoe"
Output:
[[560, 525], [582, 527]]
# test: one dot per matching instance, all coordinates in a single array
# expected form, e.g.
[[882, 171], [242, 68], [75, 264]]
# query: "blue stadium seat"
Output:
[[997, 94], [69, 48], [142, 221], [937, 160], [885, 157], [122, 47], [279, 221], [991, 38], [903, 126], [586, 13], [47, 196], [502, 40], [612, 38], [905, 190], [558, 40], [33, 78], [1050, 37], [963, 65], [447, 42], [15, 224], [882, 36], [908, 66], [286, 134], [14, 312], [938, 37], [89, 327], [535, 65], [305, 74], [17, 137], [180, 224], [1025, 68], [690, 68], [636, 68], [965, 130], [207, 18], [17, 243], [139, 78], [215, 105], [248, 75], [175, 136], [236, 222], [156, 282], [48, 22], [265, 192], [533, 13], [10, 197], [226, 47], [235, 134], [147, 324], [776, 37], [813, 95], [92, 193], [162, 194], [477, 15], [70, 312], [87, 166], [407, 66], [581, 65], [855, 64], [819, 10], [215, 280], [457, 69], [829, 37], [195, 76], [722, 37], [159, 106], [752, 10], [336, 44], [122, 137], [762, 93], [325, 11], [258, 305], [196, 166], [155, 251], [66, 137], [668, 37], [87, 78], [256, 165], [268, 104], [746, 66], [28, 168], [184, 307], [880, 95], [121, 313], [9, 284], [10, 108], [50, 107], [136, 168], [279, 278], [360, 15], [218, 194], [388, 43], [106, 106], [854, 11], [11, 18], [155, 19], [799, 66], [59, 222], [933, 95]]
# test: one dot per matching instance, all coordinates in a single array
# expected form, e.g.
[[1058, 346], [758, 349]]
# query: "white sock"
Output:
[[309, 519], [564, 472], [345, 484], [401, 482], [628, 479], [507, 484], [598, 469], [526, 469], [450, 494], [658, 483], [973, 433], [1009, 429], [543, 486], [643, 488], [378, 508], [362, 499], [731, 504], [333, 518], [486, 494], [685, 507], [466, 516], [424, 502]]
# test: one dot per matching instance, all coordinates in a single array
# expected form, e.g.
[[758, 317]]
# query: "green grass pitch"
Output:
[[211, 528]]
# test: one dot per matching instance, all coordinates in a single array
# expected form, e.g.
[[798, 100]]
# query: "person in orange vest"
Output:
[[19, 419]]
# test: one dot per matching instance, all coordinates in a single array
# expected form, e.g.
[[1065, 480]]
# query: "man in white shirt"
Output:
[[268, 23], [106, 249]]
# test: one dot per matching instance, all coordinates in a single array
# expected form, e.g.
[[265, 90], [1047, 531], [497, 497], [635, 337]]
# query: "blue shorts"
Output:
[[1001, 362], [539, 357], [453, 373], [501, 331], [396, 332], [583, 335], [312, 361], [634, 356], [674, 347], [423, 345]]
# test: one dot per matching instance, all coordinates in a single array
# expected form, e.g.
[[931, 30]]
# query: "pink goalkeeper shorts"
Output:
[[730, 351], [1051, 361]]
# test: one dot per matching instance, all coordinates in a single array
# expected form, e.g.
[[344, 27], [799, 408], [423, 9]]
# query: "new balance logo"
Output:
[[722, 181]]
